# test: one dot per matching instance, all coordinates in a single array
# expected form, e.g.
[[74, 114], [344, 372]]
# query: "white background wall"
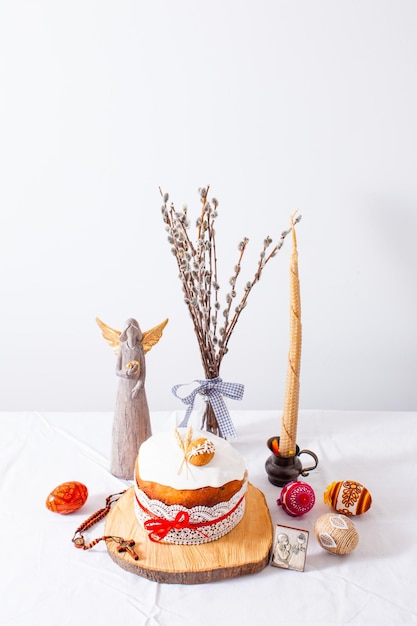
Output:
[[277, 105]]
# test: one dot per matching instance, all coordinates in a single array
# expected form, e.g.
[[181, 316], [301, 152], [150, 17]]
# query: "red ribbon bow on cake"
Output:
[[158, 528]]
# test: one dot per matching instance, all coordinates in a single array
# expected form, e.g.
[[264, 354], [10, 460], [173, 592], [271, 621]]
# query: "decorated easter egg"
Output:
[[348, 497], [336, 533], [200, 451], [296, 498], [67, 498]]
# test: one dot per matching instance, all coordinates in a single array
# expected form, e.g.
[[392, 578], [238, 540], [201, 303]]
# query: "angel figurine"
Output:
[[131, 424]]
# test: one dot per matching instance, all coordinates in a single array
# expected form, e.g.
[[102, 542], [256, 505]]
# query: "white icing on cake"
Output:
[[160, 458]]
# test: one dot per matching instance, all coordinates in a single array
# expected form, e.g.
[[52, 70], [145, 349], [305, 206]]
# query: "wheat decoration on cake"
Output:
[[213, 322], [131, 424]]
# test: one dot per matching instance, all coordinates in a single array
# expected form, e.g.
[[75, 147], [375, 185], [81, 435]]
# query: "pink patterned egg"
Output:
[[297, 498], [67, 498]]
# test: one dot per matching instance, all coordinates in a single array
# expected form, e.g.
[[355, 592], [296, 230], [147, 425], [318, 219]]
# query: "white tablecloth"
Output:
[[46, 581]]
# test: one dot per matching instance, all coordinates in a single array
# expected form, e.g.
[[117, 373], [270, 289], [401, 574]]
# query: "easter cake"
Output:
[[189, 487]]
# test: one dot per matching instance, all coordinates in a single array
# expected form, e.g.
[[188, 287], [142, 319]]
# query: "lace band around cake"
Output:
[[193, 526]]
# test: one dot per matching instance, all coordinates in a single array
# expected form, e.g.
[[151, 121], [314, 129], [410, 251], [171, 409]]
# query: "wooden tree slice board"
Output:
[[245, 550]]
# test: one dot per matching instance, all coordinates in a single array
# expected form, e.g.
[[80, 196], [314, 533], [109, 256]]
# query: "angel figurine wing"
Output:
[[152, 336], [149, 337], [111, 335]]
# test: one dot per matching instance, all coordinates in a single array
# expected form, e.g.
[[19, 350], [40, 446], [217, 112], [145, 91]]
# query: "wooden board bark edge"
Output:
[[245, 550]]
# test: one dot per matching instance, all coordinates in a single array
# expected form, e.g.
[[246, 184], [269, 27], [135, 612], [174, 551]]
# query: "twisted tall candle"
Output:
[[287, 443]]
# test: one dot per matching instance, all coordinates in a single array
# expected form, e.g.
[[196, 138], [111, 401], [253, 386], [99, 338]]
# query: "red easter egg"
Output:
[[67, 498], [296, 498]]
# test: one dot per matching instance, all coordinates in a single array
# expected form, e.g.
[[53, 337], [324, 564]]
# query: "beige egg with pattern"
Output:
[[336, 533]]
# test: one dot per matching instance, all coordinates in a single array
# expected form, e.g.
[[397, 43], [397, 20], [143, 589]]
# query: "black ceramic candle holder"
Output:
[[282, 470]]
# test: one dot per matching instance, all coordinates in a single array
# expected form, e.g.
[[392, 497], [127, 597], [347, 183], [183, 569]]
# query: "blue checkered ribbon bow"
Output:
[[214, 389]]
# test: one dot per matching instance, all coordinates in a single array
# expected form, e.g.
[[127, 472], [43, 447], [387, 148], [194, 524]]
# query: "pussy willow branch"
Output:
[[197, 264], [263, 260], [226, 330], [182, 246]]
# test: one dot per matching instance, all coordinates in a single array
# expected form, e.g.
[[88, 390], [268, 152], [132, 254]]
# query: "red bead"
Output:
[[67, 498]]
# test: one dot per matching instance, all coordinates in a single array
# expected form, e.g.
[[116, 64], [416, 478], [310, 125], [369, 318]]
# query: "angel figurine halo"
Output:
[[131, 424]]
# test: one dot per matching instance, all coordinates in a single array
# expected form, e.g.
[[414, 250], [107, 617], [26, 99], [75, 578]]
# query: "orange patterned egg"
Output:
[[348, 497], [67, 498], [200, 451]]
